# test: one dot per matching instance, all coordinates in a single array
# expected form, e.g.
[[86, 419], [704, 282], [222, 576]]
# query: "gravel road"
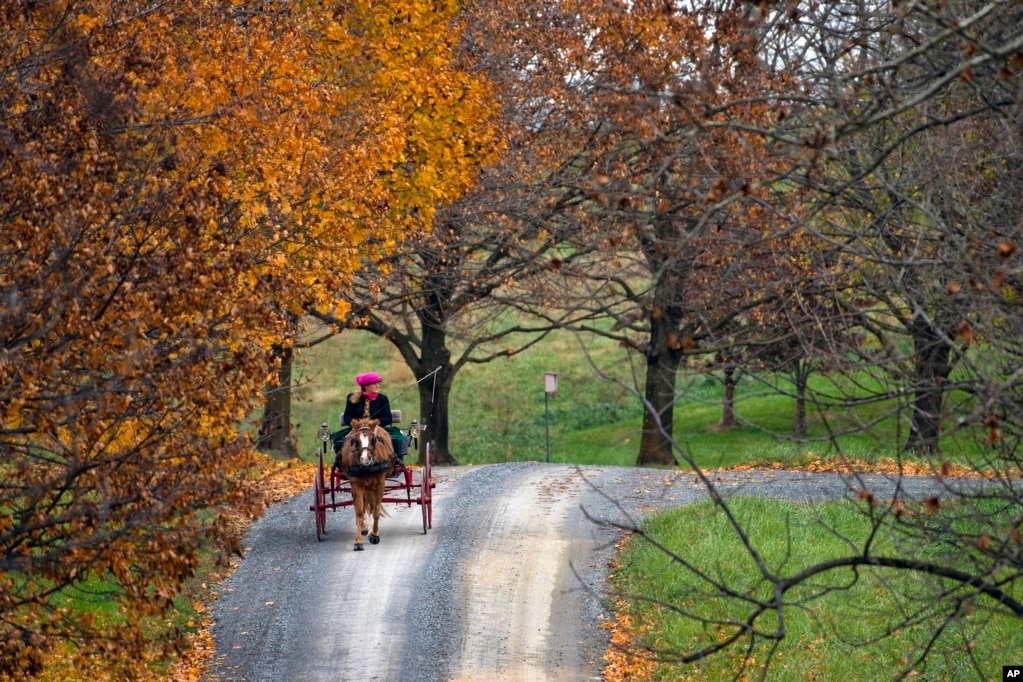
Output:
[[505, 586]]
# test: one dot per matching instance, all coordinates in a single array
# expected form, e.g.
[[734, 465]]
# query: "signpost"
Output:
[[550, 385]]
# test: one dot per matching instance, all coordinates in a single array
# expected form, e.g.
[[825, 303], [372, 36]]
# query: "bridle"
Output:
[[366, 443]]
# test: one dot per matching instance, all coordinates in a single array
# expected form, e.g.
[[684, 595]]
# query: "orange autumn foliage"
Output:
[[176, 180]]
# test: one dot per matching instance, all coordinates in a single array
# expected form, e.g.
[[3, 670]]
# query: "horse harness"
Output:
[[375, 467]]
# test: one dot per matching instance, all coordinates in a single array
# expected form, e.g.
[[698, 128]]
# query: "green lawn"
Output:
[[498, 412], [837, 636]]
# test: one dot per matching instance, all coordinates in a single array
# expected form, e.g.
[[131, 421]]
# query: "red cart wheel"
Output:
[[422, 501], [320, 502], [425, 490]]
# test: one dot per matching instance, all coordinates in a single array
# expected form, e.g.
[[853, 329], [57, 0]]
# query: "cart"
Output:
[[406, 485]]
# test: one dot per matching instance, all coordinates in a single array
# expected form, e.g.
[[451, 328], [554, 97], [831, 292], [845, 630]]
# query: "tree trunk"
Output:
[[663, 359], [801, 376], [932, 367], [275, 427], [655, 447], [728, 407], [434, 395]]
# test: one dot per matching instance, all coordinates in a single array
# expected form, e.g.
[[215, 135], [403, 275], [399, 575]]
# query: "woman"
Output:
[[367, 402]]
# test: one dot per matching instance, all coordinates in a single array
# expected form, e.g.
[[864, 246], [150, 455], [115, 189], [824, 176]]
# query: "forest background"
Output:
[[751, 191]]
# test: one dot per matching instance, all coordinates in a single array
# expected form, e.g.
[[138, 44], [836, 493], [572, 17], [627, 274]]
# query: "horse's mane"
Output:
[[382, 448]]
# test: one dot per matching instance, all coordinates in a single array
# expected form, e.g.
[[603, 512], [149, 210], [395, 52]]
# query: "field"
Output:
[[835, 637], [498, 411]]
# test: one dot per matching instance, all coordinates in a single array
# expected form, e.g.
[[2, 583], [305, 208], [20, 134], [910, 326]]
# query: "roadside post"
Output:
[[550, 385]]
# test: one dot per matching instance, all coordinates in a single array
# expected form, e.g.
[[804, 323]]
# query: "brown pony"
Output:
[[367, 457]]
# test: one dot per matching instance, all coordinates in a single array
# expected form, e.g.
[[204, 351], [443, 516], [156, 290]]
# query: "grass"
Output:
[[498, 411], [832, 637]]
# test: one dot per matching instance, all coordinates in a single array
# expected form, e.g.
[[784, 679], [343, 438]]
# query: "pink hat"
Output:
[[368, 378]]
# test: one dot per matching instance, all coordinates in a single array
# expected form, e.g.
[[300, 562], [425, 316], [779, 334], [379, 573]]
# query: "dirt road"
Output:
[[503, 587]]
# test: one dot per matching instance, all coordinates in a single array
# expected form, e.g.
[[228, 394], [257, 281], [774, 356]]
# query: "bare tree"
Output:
[[646, 107], [452, 297], [907, 127], [934, 89]]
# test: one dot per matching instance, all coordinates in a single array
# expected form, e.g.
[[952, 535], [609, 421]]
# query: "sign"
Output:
[[550, 382]]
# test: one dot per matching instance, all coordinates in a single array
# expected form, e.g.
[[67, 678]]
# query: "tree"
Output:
[[121, 323], [647, 104], [440, 132], [809, 331], [481, 283], [906, 127], [450, 297], [543, 198], [905, 237], [177, 181], [868, 102]]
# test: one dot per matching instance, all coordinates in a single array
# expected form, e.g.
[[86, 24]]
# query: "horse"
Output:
[[367, 457]]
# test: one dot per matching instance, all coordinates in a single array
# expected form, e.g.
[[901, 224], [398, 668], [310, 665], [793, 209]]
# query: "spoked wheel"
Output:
[[425, 494], [429, 487], [320, 502]]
